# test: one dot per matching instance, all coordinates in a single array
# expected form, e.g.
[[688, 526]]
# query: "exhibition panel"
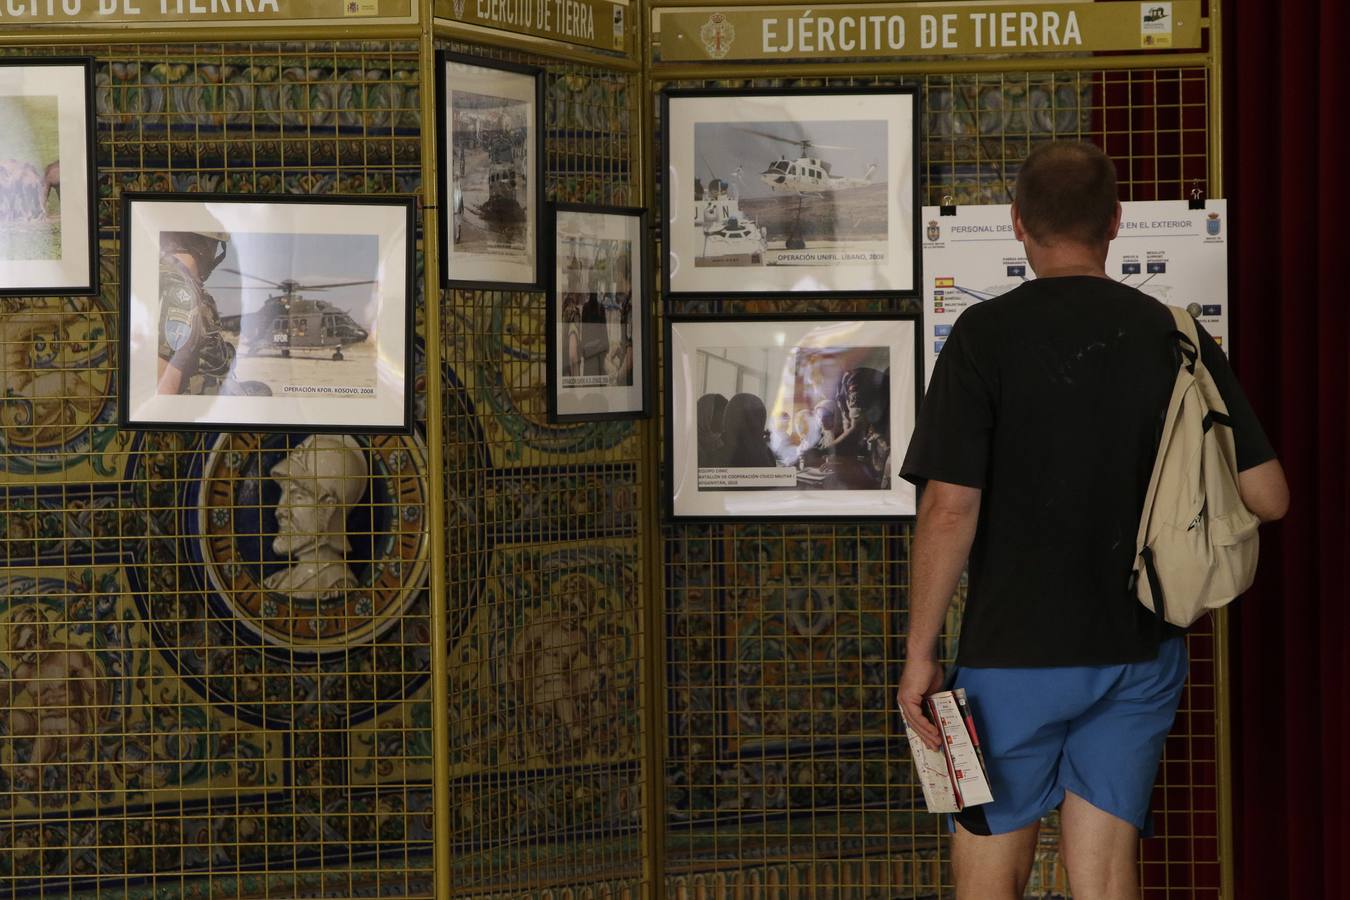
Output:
[[374, 528], [786, 765], [549, 722], [236, 627]]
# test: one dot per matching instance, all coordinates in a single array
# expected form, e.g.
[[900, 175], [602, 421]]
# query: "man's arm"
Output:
[[1264, 490], [175, 372], [170, 378], [948, 515], [1261, 483]]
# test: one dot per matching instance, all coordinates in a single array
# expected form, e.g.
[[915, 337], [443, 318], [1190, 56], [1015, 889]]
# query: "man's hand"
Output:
[[920, 678]]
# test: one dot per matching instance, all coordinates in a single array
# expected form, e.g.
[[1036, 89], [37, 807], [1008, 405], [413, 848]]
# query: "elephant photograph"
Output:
[[30, 179], [47, 223]]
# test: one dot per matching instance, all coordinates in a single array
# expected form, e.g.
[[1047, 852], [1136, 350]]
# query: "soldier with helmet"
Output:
[[194, 356]]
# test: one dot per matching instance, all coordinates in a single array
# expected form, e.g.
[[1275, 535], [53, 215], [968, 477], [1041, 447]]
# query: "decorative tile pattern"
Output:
[[547, 673], [395, 748], [57, 417], [546, 817], [92, 721], [59, 524], [808, 638], [556, 504], [510, 357]]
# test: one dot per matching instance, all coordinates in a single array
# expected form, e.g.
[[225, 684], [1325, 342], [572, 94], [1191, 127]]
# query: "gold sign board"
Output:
[[599, 24], [197, 13], [734, 32]]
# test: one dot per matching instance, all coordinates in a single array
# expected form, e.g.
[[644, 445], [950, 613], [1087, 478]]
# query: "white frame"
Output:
[[390, 220], [684, 110], [598, 401], [486, 271], [686, 335], [70, 81]]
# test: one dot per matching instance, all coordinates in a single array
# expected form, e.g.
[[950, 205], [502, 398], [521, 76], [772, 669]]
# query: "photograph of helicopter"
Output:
[[292, 323], [299, 308], [793, 190], [787, 186], [266, 312]]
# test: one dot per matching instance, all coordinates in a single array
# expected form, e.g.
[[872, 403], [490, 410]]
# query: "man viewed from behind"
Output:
[[1034, 448]]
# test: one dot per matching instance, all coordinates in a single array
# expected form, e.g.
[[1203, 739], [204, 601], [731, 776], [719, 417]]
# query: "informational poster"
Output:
[[1166, 249]]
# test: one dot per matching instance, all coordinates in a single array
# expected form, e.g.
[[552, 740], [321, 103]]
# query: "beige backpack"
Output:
[[1197, 544]]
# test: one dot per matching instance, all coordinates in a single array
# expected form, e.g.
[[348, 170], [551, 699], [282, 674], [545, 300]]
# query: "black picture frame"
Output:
[[453, 272], [76, 272], [388, 220], [678, 424], [745, 244], [641, 300]]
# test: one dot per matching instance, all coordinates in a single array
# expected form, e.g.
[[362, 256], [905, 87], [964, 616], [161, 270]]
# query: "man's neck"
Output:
[[1066, 259], [1069, 270]]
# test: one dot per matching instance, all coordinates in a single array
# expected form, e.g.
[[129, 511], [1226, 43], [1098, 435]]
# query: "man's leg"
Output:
[[995, 866], [1108, 768], [1099, 851]]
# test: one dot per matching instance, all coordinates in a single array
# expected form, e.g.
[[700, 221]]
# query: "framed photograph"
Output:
[[48, 211], [490, 122], [599, 315], [266, 313], [784, 191], [794, 417]]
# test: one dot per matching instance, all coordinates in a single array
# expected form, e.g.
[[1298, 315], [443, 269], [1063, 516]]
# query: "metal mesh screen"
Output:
[[172, 726], [546, 742], [159, 740], [1152, 122], [787, 771]]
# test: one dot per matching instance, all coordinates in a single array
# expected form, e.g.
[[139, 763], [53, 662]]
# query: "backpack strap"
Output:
[[1188, 344], [1183, 383], [1188, 339], [1154, 584]]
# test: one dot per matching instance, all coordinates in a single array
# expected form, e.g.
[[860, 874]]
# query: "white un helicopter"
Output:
[[807, 176]]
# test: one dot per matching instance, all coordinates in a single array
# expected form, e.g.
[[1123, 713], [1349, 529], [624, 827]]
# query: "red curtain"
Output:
[[1287, 174]]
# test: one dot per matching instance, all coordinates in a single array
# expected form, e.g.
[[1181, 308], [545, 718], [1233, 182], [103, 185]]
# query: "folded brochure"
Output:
[[953, 777]]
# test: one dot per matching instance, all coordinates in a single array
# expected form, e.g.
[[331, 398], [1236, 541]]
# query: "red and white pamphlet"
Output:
[[953, 777]]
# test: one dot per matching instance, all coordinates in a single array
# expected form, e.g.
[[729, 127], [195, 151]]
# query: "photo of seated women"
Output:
[[819, 416]]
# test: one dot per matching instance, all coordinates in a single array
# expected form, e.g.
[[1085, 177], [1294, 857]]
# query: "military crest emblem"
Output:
[[717, 34], [1213, 224], [177, 326], [934, 232]]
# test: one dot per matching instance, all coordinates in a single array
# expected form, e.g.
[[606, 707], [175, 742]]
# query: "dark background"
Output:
[[1286, 96]]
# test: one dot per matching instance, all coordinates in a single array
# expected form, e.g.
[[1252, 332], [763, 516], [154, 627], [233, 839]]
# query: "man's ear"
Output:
[[1019, 230], [1114, 228]]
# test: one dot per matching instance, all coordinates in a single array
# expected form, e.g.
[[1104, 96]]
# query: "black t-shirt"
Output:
[[1050, 399]]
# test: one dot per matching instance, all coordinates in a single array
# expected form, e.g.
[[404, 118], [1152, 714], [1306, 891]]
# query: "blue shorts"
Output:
[[1095, 730]]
